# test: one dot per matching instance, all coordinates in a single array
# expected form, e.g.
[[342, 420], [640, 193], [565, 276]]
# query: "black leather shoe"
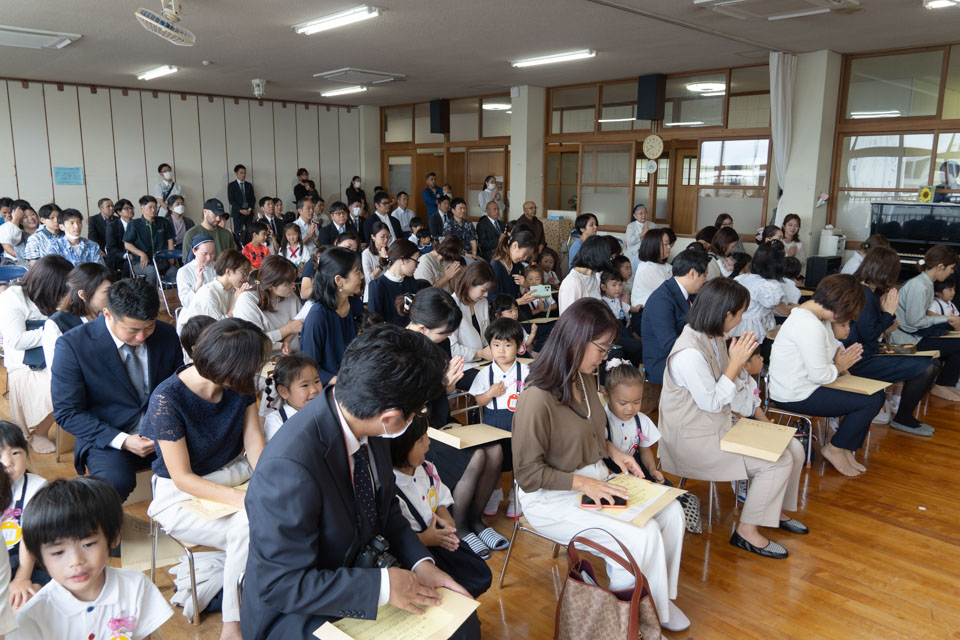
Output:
[[794, 526], [772, 550]]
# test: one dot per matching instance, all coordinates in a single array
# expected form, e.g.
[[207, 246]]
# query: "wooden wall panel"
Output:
[[331, 184], [285, 136], [128, 144], [217, 172], [308, 149], [350, 152], [157, 136], [99, 162], [8, 170], [30, 143], [262, 150], [186, 153], [237, 119], [66, 148]]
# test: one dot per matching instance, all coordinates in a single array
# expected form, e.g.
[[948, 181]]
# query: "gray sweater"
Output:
[[916, 296]]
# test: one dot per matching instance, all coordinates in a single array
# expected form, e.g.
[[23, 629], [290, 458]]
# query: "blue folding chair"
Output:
[[165, 283], [11, 273]]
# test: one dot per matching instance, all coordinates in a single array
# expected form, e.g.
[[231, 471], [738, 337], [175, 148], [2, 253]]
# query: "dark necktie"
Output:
[[135, 371], [363, 493]]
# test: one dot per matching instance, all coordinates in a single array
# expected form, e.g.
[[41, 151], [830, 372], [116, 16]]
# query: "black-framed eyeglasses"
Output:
[[604, 350]]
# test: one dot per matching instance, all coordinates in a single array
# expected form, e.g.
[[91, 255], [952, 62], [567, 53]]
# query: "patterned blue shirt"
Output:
[[38, 245], [465, 231], [84, 251]]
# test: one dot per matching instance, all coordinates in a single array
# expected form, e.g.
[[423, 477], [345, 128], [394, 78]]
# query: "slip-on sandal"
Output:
[[493, 540], [476, 545], [772, 550], [921, 430], [794, 526]]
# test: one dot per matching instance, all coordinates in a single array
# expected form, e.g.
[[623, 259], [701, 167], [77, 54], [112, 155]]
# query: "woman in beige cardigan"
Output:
[[701, 379]]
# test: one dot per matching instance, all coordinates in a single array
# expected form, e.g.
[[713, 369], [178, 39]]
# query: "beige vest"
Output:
[[690, 446]]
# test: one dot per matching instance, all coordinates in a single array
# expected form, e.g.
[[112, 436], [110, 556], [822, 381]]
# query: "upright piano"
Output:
[[914, 227]]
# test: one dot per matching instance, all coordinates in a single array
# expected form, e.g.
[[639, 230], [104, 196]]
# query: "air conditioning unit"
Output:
[[362, 77], [775, 9]]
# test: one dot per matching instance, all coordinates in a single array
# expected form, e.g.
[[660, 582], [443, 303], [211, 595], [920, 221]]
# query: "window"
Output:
[[606, 182], [398, 124], [573, 109], [893, 161], [734, 163], [496, 116], [618, 107], [464, 119], [695, 101], [891, 86], [399, 174], [951, 93]]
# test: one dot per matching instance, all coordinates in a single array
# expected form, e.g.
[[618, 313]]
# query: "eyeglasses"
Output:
[[417, 261], [604, 350]]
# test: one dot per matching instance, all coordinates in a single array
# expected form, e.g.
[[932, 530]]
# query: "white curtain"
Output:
[[783, 73]]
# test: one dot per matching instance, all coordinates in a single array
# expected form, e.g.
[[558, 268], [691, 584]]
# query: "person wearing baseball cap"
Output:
[[222, 238]]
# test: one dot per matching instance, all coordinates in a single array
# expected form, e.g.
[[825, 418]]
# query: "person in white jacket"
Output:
[[637, 228]]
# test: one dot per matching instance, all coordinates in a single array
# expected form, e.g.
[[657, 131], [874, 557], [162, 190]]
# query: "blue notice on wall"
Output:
[[68, 175]]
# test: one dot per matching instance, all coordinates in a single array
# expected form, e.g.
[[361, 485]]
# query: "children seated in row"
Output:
[[296, 379], [25, 577], [426, 502], [504, 305], [70, 530]]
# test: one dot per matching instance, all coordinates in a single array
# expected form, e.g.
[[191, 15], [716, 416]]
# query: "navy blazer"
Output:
[[235, 197], [368, 227], [660, 325], [488, 238], [93, 398], [303, 536], [328, 234]]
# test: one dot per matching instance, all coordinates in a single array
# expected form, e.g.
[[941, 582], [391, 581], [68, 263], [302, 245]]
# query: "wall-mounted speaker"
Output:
[[651, 95], [439, 116]]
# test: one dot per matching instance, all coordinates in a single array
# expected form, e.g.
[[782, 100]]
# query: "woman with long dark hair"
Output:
[[512, 251], [385, 293], [583, 281], [271, 304], [88, 285], [559, 444]]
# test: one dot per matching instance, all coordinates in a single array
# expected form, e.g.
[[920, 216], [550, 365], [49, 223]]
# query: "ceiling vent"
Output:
[[35, 38], [362, 77], [776, 9]]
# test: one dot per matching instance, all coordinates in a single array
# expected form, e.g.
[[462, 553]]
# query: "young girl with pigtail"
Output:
[[296, 381]]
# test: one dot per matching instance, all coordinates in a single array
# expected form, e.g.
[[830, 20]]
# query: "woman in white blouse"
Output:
[[636, 229], [370, 259], [806, 356], [583, 281], [88, 285], [766, 291], [470, 289], [217, 298], [701, 380], [271, 305], [23, 310], [198, 271], [652, 270], [440, 266], [791, 238]]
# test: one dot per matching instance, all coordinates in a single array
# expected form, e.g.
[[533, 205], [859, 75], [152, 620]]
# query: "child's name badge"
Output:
[[512, 401], [11, 532]]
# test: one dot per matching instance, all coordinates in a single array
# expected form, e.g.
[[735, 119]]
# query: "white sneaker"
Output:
[[833, 423], [511, 501], [493, 504], [678, 620], [895, 404], [884, 416]]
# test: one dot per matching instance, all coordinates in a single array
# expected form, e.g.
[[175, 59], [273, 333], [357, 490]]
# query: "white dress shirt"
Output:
[[689, 369], [386, 220], [465, 341], [403, 216], [273, 421]]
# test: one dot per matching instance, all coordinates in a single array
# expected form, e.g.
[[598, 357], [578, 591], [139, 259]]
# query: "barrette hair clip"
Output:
[[613, 363]]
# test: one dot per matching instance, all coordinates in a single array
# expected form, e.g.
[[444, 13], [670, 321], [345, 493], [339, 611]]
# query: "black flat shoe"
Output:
[[772, 550], [794, 526]]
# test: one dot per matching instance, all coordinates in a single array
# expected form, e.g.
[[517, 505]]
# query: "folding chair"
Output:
[[455, 399], [129, 259], [521, 524], [163, 284]]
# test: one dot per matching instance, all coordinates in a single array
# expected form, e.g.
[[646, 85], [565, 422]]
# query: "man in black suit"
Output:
[[324, 489], [339, 222], [98, 223], [666, 310], [116, 229], [241, 198], [102, 376], [381, 213], [437, 221], [489, 230]]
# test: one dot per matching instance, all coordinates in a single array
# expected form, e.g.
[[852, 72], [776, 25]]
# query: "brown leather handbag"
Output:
[[587, 610]]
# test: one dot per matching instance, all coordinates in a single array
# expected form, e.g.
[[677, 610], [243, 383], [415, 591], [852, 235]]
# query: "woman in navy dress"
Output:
[[331, 323], [385, 293]]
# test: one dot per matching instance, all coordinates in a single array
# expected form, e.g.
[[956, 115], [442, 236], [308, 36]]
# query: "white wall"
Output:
[[119, 140]]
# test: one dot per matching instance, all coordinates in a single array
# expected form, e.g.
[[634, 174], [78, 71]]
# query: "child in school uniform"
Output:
[[942, 305], [629, 430], [296, 379], [190, 333], [8, 618], [85, 598], [425, 502], [424, 241], [416, 224], [533, 276], [791, 274], [611, 291], [26, 578], [504, 305]]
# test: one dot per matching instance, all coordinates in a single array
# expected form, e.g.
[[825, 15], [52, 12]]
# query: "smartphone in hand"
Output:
[[588, 503]]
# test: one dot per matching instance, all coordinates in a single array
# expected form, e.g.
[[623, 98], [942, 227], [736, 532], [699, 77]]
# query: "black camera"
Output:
[[376, 556]]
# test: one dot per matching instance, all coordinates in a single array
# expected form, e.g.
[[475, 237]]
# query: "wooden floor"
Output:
[[882, 559]]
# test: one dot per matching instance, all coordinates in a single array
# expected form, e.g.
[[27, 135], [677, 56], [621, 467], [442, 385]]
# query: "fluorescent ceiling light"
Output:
[[342, 92], [334, 20], [939, 4], [798, 14], [496, 106], [35, 38], [616, 119], [700, 87], [714, 93], [890, 113], [157, 72], [557, 57], [692, 123]]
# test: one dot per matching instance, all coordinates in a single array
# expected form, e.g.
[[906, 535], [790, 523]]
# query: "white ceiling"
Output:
[[445, 48]]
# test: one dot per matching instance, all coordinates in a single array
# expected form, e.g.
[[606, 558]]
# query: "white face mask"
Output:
[[491, 187], [391, 436], [168, 175], [355, 212], [356, 184], [73, 238], [178, 209]]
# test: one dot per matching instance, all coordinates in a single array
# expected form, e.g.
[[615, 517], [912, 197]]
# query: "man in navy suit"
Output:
[[325, 488], [666, 310], [339, 222], [241, 198], [381, 205], [102, 376]]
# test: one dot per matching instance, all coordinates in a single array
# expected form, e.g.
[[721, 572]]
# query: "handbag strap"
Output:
[[627, 563]]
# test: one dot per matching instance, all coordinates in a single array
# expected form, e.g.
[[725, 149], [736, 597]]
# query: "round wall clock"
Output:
[[653, 146]]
